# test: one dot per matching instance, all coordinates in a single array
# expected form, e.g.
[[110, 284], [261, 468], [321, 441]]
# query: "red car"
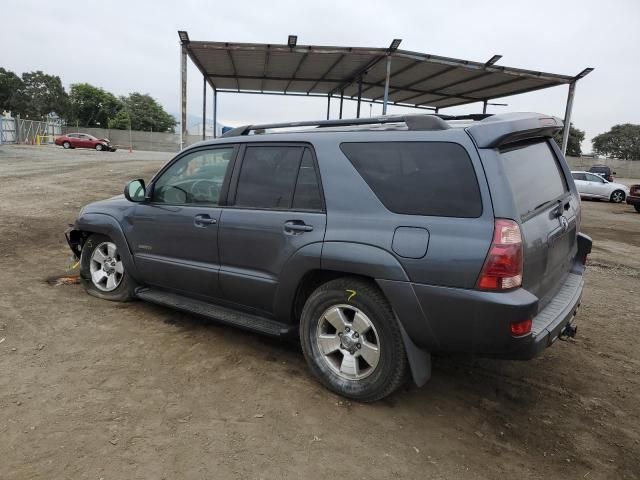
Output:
[[634, 197], [84, 140]]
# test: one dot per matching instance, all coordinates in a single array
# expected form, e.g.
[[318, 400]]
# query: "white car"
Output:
[[590, 185]]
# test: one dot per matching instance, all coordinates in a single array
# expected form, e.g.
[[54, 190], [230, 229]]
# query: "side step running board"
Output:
[[226, 315]]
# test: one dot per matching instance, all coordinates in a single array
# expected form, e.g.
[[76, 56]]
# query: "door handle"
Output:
[[203, 220], [293, 226]]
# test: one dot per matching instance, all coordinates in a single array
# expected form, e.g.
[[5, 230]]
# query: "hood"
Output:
[[104, 140], [108, 205]]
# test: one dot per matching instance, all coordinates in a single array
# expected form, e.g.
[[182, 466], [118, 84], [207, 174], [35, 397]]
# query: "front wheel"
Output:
[[99, 147], [352, 340], [637, 207], [617, 196], [102, 271]]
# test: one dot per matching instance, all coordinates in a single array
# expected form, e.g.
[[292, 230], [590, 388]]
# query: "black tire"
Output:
[[617, 196], [66, 145], [637, 207], [99, 147], [124, 290], [391, 369]]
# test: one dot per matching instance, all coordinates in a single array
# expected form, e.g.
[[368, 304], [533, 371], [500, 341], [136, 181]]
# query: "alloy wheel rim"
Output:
[[106, 268], [617, 197], [348, 342]]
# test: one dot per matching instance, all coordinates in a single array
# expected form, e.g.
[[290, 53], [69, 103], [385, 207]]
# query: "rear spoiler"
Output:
[[499, 130]]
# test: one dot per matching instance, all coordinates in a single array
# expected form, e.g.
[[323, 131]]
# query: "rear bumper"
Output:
[[444, 319], [550, 322]]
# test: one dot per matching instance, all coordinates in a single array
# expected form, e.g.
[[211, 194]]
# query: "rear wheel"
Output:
[[99, 147], [352, 341], [102, 272], [617, 196], [66, 145]]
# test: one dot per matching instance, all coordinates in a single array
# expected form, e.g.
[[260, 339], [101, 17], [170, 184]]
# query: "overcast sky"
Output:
[[126, 46]]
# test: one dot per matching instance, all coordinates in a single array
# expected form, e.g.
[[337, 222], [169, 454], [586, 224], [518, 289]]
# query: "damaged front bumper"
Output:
[[75, 240]]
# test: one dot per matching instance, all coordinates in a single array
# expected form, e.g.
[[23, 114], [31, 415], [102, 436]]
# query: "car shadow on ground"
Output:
[[479, 377]]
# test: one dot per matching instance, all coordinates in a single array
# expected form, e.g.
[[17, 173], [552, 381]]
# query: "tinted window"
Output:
[[599, 169], [307, 193], [196, 178], [534, 175], [579, 176], [419, 178], [268, 177]]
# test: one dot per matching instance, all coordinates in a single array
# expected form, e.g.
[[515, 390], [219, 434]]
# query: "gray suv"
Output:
[[377, 241]]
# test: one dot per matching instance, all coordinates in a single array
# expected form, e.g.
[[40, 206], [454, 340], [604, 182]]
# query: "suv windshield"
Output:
[[534, 175]]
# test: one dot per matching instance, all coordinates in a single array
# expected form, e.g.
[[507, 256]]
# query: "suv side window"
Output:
[[195, 179], [307, 194], [579, 176], [419, 178], [268, 177]]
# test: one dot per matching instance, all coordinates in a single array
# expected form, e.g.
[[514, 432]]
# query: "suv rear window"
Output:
[[534, 175], [419, 178]]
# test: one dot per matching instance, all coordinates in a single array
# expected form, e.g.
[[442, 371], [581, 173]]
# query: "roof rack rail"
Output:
[[413, 122]]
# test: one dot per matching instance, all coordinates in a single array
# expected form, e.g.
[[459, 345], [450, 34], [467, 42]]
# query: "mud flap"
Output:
[[419, 359]]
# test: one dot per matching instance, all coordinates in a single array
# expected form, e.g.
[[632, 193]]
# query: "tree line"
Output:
[[622, 141], [34, 95]]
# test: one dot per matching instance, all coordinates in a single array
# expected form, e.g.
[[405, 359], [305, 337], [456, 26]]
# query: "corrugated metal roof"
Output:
[[417, 79]]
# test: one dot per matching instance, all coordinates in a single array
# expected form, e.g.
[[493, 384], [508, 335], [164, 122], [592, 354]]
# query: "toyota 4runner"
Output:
[[377, 241]]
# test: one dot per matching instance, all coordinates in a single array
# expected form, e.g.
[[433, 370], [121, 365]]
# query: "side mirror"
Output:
[[134, 191], [613, 173]]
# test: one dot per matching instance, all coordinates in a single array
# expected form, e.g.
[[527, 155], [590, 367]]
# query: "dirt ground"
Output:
[[91, 389]]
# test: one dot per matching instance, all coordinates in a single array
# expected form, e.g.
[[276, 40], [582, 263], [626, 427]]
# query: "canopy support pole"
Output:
[[484, 106], [386, 86], [204, 107], [567, 117], [183, 96], [359, 96], [215, 112], [328, 104], [341, 100]]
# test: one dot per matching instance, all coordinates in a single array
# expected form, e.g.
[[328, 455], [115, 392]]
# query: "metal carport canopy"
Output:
[[416, 80]]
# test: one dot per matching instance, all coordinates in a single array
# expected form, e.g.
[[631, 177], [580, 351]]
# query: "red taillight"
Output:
[[502, 269], [520, 328]]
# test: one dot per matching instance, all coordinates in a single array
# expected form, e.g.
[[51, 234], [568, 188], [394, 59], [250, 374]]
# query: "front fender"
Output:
[[107, 225]]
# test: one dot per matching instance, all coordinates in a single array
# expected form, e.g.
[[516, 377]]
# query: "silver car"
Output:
[[590, 185]]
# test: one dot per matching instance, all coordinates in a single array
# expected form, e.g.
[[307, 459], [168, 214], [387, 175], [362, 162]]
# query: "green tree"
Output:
[[146, 114], [120, 121], [44, 94], [11, 92], [576, 136], [92, 106], [622, 141]]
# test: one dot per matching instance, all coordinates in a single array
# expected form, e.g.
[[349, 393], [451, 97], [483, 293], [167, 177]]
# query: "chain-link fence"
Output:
[[21, 130]]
